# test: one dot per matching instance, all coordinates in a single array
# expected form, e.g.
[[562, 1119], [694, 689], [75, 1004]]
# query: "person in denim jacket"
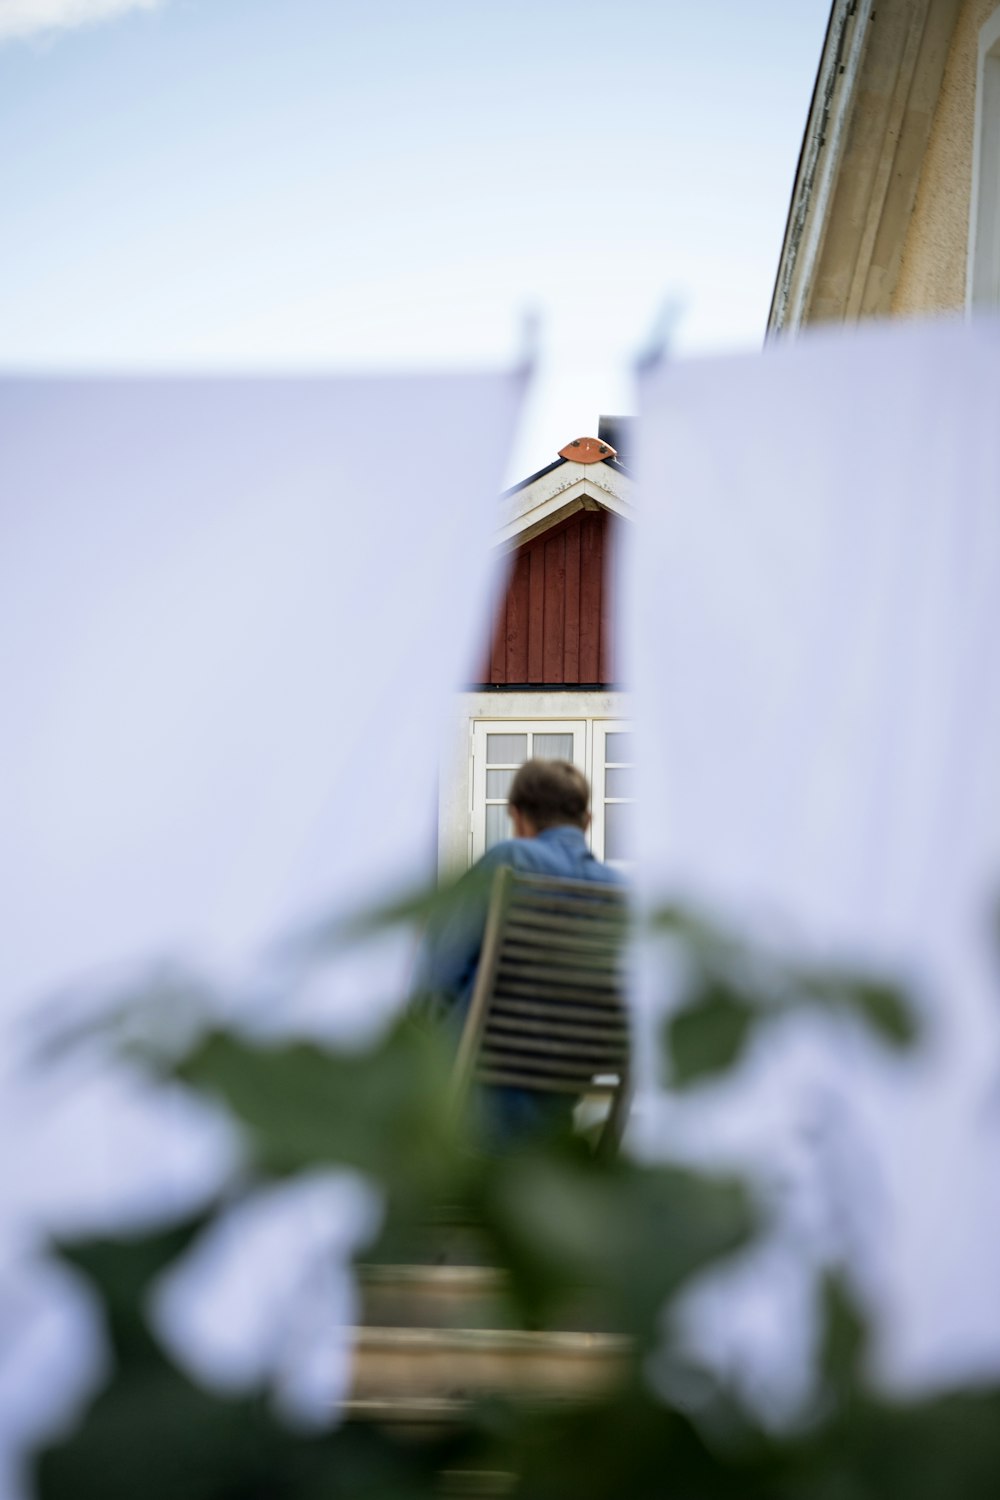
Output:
[[549, 806]]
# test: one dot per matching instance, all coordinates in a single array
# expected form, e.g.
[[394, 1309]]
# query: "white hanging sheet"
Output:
[[232, 611], [232, 614], [814, 615]]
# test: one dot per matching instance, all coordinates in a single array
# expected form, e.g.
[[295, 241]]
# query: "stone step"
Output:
[[422, 1296], [454, 1296], [410, 1374]]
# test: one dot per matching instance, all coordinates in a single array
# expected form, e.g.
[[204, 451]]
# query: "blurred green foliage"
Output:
[[560, 1221], [732, 989]]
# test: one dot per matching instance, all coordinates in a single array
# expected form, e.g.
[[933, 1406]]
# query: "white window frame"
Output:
[[455, 791], [982, 279], [601, 728], [481, 729]]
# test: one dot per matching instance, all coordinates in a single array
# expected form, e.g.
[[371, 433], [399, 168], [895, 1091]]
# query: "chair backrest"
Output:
[[548, 1009]]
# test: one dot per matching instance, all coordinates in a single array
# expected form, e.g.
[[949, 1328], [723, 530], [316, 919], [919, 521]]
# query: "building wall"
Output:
[[455, 790], [933, 271], [554, 625]]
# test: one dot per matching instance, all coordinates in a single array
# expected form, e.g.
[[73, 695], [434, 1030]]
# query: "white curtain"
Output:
[[232, 613], [814, 617], [226, 608]]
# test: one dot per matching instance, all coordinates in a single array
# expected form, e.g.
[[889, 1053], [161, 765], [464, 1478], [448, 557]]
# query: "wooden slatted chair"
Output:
[[548, 1009]]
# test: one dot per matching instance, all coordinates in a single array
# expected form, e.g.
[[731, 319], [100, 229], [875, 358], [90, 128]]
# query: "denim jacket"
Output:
[[448, 961], [446, 969]]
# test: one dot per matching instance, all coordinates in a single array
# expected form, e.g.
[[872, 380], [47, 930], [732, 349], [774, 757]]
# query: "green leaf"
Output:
[[122, 1271], [385, 1110], [559, 1222], [845, 1341], [154, 1435], [631, 1234], [885, 1008], [420, 905], [709, 1036]]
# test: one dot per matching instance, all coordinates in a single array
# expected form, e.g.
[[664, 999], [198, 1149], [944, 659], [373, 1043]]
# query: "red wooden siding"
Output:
[[554, 624]]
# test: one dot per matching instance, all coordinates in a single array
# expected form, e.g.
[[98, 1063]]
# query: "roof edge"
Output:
[[614, 464], [814, 172], [871, 117], [522, 484]]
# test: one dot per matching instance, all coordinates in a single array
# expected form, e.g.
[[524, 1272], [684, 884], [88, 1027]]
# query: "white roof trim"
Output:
[[558, 494], [870, 120], [822, 155]]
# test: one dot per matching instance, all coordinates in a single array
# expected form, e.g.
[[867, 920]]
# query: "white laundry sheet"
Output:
[[232, 614], [814, 617]]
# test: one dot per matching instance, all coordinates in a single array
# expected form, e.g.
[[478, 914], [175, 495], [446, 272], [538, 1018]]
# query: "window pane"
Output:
[[618, 830], [620, 747], [618, 781], [497, 824], [552, 746], [510, 749], [498, 783]]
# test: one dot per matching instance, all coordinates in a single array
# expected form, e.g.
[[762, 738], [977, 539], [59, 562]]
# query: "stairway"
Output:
[[436, 1337]]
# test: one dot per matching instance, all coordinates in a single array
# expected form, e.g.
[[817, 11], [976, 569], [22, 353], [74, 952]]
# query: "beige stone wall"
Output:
[[932, 275]]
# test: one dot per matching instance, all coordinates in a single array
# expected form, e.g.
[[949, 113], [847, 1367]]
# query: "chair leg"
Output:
[[614, 1127]]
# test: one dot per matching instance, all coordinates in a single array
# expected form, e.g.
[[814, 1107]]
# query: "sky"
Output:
[[338, 184]]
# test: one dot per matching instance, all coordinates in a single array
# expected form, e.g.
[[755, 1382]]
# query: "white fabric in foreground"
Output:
[[815, 617], [232, 614]]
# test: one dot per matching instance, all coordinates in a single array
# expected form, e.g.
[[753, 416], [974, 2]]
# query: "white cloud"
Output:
[[28, 17]]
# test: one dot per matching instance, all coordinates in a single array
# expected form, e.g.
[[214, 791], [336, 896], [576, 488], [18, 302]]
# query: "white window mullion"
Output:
[[589, 773], [611, 789], [499, 747], [474, 799]]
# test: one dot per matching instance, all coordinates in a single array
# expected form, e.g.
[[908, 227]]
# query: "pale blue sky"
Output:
[[262, 183]]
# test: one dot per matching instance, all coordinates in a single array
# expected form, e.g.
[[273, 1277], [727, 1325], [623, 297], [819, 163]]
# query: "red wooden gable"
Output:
[[553, 626]]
